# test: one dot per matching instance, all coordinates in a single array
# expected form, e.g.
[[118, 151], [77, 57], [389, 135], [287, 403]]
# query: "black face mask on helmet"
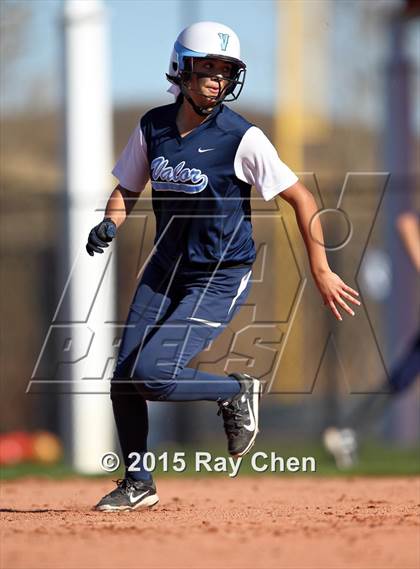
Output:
[[232, 89]]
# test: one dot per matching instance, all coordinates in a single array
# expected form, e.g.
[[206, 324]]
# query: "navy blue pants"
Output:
[[174, 315], [403, 375]]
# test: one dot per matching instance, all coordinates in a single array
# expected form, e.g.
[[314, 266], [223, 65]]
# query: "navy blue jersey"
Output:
[[201, 183]]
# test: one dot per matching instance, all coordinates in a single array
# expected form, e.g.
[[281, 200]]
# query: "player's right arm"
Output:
[[120, 204], [132, 172]]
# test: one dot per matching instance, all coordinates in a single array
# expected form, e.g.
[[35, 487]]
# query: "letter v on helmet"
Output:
[[224, 39]]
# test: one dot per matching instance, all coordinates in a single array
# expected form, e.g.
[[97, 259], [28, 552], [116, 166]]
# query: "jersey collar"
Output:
[[201, 126]]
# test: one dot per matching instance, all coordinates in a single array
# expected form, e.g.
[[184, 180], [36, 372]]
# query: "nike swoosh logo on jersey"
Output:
[[251, 426], [201, 150], [135, 499]]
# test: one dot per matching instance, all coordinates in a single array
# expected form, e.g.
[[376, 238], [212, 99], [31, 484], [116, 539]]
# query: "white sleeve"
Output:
[[257, 163], [132, 167]]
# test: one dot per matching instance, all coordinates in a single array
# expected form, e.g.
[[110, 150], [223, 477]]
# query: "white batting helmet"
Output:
[[207, 40]]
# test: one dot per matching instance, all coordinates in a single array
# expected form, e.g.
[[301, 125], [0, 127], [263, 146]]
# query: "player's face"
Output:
[[207, 88]]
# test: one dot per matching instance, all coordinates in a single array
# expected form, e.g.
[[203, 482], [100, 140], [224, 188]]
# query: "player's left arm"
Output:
[[408, 227], [333, 289], [257, 163]]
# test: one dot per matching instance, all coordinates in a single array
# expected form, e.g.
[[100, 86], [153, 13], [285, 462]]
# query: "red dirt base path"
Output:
[[299, 523]]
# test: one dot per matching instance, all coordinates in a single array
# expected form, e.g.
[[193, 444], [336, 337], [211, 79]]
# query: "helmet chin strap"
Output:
[[201, 111]]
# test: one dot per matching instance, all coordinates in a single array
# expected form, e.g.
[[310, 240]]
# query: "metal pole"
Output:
[[402, 316], [188, 12], [91, 294]]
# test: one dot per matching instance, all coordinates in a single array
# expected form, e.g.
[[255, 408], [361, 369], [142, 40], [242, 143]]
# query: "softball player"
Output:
[[202, 160], [342, 442]]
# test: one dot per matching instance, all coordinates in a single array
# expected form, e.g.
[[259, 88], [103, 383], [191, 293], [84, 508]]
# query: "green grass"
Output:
[[55, 471], [375, 460]]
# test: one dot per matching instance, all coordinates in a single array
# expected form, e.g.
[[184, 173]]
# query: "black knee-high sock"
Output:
[[131, 419]]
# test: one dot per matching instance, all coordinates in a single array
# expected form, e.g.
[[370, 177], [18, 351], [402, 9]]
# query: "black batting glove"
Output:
[[100, 236]]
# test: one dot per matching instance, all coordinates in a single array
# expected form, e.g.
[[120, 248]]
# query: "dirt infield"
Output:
[[215, 522]]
